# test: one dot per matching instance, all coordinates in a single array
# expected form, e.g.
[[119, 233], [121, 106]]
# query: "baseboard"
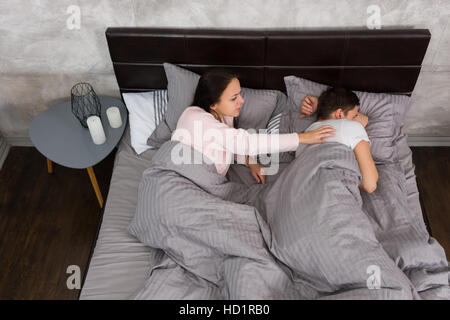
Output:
[[19, 141], [7, 142], [4, 149], [416, 141]]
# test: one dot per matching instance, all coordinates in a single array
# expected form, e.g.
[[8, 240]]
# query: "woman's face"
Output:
[[230, 101]]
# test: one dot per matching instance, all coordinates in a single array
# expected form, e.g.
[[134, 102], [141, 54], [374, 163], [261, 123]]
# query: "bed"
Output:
[[367, 60]]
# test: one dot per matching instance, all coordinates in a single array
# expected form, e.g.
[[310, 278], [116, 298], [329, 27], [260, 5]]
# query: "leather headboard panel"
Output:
[[366, 60]]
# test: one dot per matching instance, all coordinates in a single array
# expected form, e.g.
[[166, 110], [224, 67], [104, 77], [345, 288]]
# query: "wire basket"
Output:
[[85, 102]]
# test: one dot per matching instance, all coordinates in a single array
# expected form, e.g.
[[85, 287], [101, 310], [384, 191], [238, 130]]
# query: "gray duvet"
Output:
[[309, 235]]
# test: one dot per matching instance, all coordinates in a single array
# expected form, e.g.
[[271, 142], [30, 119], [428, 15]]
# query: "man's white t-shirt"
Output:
[[348, 132]]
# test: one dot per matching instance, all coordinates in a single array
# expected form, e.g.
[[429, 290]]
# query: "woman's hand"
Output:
[[255, 170], [308, 106], [316, 136]]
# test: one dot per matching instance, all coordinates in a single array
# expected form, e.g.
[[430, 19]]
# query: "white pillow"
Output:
[[146, 110]]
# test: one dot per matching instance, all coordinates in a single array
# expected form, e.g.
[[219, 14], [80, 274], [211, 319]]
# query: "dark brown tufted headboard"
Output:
[[366, 60]]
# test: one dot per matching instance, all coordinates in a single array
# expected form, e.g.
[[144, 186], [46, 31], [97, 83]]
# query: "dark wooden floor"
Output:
[[433, 181], [48, 222]]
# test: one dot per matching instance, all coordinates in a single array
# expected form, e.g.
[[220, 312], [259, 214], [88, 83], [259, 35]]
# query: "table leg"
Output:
[[90, 171], [49, 166]]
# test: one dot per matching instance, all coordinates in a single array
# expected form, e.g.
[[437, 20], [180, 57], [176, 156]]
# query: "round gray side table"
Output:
[[59, 136]]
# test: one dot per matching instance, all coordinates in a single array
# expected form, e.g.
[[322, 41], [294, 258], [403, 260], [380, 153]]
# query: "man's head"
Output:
[[337, 103]]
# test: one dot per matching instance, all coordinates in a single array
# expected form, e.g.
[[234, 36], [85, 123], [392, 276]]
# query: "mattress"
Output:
[[120, 263]]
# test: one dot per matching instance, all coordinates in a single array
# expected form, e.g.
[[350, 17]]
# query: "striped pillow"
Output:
[[273, 127], [274, 124], [159, 105], [386, 112]]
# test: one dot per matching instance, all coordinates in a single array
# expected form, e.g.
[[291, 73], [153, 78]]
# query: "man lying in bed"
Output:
[[331, 235], [338, 107]]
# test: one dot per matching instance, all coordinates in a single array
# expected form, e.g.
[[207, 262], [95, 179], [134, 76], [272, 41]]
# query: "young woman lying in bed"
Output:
[[208, 125], [338, 107]]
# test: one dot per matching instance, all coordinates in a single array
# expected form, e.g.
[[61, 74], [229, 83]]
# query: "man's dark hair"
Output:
[[211, 86], [334, 98]]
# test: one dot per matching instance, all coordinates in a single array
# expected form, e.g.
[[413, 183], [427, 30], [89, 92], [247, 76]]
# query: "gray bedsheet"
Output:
[[200, 220], [307, 235], [120, 265], [331, 234]]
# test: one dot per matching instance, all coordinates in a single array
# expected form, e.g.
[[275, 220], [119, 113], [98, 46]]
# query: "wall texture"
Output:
[[42, 56]]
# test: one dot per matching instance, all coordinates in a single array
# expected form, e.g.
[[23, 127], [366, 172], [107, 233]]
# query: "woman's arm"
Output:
[[366, 166], [316, 135], [240, 142], [203, 128], [255, 169]]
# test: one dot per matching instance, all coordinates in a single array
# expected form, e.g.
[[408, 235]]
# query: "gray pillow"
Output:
[[273, 127], [280, 123], [290, 121], [259, 107], [181, 85], [160, 135], [255, 113], [386, 112]]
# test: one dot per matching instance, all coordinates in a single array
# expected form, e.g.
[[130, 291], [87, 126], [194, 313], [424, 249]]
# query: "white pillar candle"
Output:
[[113, 113], [96, 129]]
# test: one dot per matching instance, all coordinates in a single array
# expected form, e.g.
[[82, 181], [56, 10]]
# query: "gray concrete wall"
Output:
[[42, 56]]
